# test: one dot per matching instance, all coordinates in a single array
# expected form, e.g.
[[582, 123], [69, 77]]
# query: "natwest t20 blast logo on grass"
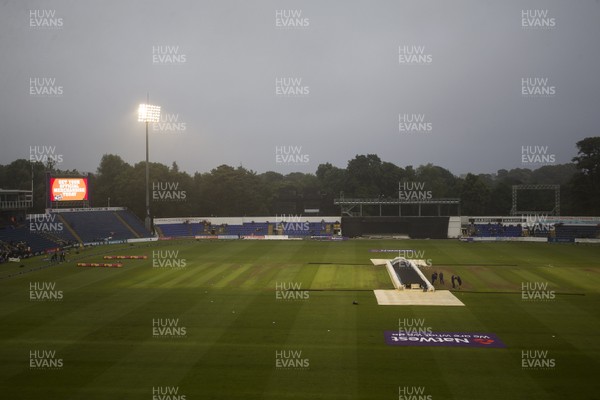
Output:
[[417, 257], [290, 291], [167, 328], [452, 339], [413, 55], [413, 123], [44, 291], [290, 19], [167, 393], [167, 259], [536, 359], [44, 359], [45, 223], [413, 393], [290, 359], [44, 19], [536, 291]]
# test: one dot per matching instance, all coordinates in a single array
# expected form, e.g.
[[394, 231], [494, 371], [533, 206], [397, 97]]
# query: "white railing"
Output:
[[393, 276], [16, 204]]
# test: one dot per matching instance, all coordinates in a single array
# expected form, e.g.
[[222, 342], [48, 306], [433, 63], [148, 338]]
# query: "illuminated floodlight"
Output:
[[148, 113]]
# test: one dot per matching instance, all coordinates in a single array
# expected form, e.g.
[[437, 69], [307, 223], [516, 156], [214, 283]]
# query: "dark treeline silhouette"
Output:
[[236, 191]]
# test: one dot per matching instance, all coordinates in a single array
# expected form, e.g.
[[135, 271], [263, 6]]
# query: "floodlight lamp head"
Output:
[[148, 113]]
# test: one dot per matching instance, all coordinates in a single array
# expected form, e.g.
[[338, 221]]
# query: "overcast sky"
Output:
[[72, 74]]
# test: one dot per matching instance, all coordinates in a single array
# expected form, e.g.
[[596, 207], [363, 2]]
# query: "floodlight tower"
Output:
[[148, 113]]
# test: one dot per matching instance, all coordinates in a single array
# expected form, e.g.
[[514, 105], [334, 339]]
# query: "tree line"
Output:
[[237, 191]]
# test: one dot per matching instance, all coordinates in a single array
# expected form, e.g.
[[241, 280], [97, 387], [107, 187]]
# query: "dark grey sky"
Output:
[[221, 83]]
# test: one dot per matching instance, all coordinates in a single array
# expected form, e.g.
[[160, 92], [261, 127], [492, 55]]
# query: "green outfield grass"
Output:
[[224, 296]]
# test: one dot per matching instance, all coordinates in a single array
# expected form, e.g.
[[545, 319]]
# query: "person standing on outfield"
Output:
[[453, 279], [441, 275], [433, 278]]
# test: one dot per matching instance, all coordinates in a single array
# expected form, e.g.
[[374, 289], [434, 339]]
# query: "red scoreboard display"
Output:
[[68, 189]]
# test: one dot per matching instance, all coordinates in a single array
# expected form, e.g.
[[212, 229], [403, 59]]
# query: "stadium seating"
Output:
[[89, 226], [498, 230], [177, 230], [577, 231], [248, 229], [92, 226], [303, 229], [134, 222], [293, 229], [34, 240], [561, 231], [63, 237]]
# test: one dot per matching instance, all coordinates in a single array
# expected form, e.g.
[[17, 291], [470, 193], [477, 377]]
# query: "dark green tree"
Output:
[[586, 182], [474, 196]]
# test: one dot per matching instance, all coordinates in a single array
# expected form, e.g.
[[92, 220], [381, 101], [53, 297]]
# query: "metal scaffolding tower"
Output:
[[515, 189]]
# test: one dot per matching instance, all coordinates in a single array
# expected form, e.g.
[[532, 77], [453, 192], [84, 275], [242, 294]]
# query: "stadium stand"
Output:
[[36, 242], [184, 229], [253, 228], [176, 230], [413, 227], [248, 229], [134, 223], [94, 226], [538, 231], [498, 230], [559, 228], [61, 238], [69, 228], [14, 250], [301, 229], [577, 231]]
